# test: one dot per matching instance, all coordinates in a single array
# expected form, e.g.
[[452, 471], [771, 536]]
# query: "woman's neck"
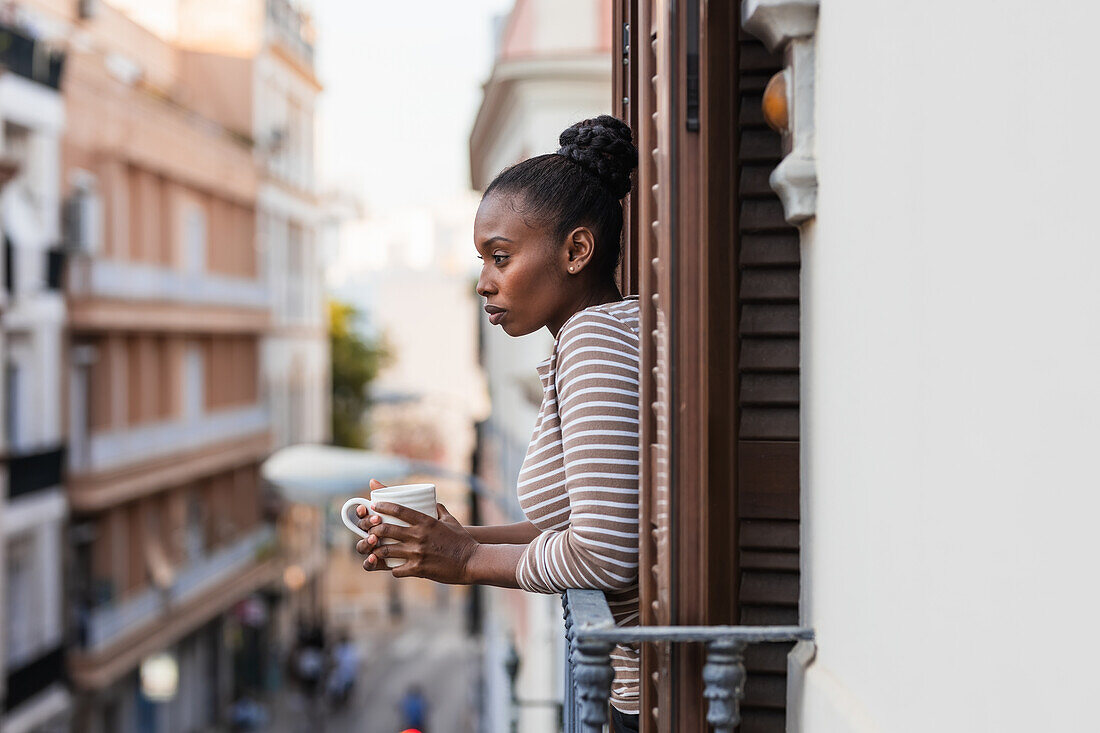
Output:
[[608, 292]]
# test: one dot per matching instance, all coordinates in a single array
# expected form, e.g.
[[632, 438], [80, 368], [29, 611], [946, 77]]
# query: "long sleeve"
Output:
[[594, 402]]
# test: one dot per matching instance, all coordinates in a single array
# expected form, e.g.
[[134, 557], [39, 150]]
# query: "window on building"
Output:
[[194, 238], [295, 292], [82, 360], [194, 544], [82, 213], [24, 598], [13, 376], [194, 390]]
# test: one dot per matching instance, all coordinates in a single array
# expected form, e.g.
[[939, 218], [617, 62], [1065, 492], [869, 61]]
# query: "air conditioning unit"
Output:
[[82, 214]]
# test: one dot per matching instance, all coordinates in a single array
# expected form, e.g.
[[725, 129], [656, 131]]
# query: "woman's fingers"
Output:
[[370, 523], [377, 559], [361, 511], [398, 511], [374, 548], [390, 531]]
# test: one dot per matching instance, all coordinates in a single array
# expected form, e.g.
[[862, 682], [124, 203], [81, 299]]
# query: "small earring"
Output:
[[570, 269]]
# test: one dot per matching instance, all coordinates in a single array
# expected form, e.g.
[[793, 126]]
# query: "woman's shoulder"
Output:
[[618, 318]]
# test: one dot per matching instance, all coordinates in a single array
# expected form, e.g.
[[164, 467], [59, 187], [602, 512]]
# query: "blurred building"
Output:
[[175, 176], [261, 82], [409, 272], [254, 60], [32, 315], [553, 68], [167, 424]]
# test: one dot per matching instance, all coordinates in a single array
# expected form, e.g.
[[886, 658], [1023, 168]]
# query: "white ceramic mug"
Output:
[[420, 497]]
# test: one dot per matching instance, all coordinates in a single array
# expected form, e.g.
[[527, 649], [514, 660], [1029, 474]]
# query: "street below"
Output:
[[429, 650]]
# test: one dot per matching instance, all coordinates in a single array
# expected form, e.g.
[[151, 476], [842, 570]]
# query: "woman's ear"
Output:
[[579, 249]]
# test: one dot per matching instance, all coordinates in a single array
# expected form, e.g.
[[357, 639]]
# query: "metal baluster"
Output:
[[593, 674], [569, 690], [724, 680]]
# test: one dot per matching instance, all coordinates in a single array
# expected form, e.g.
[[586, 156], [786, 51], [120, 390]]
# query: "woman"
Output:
[[549, 231]]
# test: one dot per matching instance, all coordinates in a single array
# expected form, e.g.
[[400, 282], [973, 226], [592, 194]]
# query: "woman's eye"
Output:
[[499, 259]]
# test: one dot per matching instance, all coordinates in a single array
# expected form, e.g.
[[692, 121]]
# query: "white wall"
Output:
[[950, 348], [29, 205]]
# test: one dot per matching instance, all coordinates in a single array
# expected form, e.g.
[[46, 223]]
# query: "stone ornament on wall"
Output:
[[788, 26]]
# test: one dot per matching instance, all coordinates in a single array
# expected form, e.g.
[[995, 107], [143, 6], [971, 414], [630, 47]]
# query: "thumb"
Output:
[[443, 513], [376, 484]]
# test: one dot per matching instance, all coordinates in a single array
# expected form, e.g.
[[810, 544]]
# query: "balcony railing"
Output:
[[30, 472], [105, 623], [289, 23], [156, 440], [91, 276], [33, 677], [29, 57], [591, 634]]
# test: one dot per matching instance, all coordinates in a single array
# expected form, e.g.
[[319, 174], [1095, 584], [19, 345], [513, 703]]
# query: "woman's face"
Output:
[[523, 278]]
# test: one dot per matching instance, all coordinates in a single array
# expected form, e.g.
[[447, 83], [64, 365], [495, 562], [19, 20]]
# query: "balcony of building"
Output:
[[290, 27], [120, 294], [29, 57], [114, 632], [114, 466], [591, 634]]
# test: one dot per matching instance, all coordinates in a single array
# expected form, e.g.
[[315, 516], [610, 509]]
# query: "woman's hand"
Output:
[[437, 549]]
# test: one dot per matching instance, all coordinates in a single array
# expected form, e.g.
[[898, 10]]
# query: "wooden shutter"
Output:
[[717, 269], [768, 369]]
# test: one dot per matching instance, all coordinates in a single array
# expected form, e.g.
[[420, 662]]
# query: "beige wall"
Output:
[[128, 534], [225, 26], [218, 86], [137, 378], [539, 27], [138, 124]]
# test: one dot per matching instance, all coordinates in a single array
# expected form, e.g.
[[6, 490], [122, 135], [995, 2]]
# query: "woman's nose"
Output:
[[485, 286]]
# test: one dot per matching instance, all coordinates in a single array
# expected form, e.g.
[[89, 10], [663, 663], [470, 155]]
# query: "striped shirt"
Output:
[[579, 481]]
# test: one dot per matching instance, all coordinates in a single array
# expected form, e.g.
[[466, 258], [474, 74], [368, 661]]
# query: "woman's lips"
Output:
[[496, 315]]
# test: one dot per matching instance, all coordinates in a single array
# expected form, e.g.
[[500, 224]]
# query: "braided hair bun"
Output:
[[603, 146]]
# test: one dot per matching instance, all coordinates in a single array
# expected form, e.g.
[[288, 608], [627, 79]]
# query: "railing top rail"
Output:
[[683, 634], [592, 621]]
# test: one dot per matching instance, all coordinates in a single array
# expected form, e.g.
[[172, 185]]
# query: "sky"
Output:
[[402, 87]]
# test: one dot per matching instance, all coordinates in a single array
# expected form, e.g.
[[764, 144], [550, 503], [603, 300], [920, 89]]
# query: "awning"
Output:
[[318, 474], [315, 474]]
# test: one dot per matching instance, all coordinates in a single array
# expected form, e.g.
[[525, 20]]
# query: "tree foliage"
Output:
[[356, 361]]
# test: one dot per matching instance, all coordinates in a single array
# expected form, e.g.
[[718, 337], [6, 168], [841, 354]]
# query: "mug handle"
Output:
[[353, 525]]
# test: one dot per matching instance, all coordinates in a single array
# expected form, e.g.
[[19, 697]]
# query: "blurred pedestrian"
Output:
[[309, 661], [344, 669], [414, 709]]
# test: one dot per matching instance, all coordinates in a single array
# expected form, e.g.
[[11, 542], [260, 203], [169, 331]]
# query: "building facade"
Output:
[[167, 312], [32, 440], [553, 68], [256, 62]]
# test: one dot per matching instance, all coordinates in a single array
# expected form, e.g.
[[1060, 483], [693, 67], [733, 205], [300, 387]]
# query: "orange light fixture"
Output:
[[776, 109]]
